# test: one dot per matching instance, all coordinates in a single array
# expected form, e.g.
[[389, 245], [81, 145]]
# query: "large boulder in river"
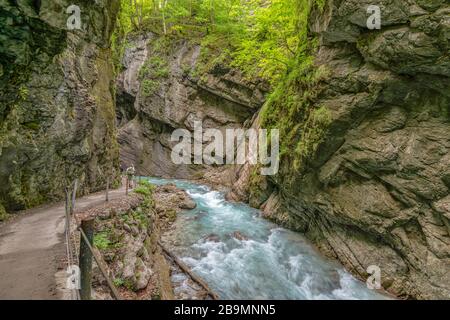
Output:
[[169, 201]]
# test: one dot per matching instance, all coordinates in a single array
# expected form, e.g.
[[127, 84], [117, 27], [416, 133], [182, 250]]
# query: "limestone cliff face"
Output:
[[375, 186], [160, 90], [57, 117]]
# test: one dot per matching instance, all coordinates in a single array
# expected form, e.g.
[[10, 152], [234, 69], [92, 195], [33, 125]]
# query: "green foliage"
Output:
[[23, 93], [107, 239], [146, 189], [155, 67], [141, 217], [119, 37], [149, 87], [321, 4], [118, 282], [142, 190], [171, 215], [260, 37], [292, 109], [128, 283], [267, 48], [147, 184], [151, 73], [263, 38], [32, 125]]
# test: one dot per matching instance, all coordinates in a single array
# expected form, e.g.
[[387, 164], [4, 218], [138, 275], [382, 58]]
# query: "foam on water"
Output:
[[268, 262]]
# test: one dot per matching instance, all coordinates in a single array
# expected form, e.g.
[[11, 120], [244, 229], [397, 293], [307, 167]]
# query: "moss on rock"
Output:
[[3, 214], [57, 113]]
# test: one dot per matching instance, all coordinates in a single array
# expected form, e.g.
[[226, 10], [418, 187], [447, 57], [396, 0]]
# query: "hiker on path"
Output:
[[130, 172]]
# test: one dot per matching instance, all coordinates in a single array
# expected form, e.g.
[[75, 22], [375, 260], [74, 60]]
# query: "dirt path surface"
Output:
[[32, 247]]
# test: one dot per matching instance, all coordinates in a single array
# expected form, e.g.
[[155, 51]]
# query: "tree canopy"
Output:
[[261, 37]]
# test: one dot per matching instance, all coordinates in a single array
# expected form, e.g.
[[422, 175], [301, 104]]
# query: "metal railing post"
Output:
[[74, 196]]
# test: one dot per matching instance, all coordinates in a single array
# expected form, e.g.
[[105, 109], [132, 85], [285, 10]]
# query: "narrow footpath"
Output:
[[32, 248]]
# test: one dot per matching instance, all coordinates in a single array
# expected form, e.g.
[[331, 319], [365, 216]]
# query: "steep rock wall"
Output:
[[57, 113], [367, 175]]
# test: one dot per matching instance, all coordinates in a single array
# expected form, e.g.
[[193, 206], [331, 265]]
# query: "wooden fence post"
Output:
[[74, 196], [87, 226], [67, 198], [67, 229]]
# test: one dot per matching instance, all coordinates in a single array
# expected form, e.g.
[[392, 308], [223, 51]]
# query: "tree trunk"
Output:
[[211, 12], [163, 11]]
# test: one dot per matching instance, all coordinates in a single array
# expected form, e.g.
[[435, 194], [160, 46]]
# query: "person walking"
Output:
[[130, 172]]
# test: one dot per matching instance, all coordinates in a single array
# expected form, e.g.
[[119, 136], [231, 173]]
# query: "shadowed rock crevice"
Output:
[[125, 110]]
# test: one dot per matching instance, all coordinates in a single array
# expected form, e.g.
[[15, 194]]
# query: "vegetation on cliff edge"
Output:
[[264, 39]]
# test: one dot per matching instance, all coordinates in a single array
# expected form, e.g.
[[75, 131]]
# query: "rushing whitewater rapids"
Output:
[[263, 261]]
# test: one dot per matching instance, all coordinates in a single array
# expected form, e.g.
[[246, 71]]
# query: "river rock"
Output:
[[127, 228], [239, 235], [187, 204], [170, 198], [143, 274], [212, 237]]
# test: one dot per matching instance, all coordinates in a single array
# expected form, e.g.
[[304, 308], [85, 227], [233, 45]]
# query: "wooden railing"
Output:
[[87, 251]]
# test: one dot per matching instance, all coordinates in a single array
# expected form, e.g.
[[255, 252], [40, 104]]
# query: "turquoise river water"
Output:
[[264, 261]]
